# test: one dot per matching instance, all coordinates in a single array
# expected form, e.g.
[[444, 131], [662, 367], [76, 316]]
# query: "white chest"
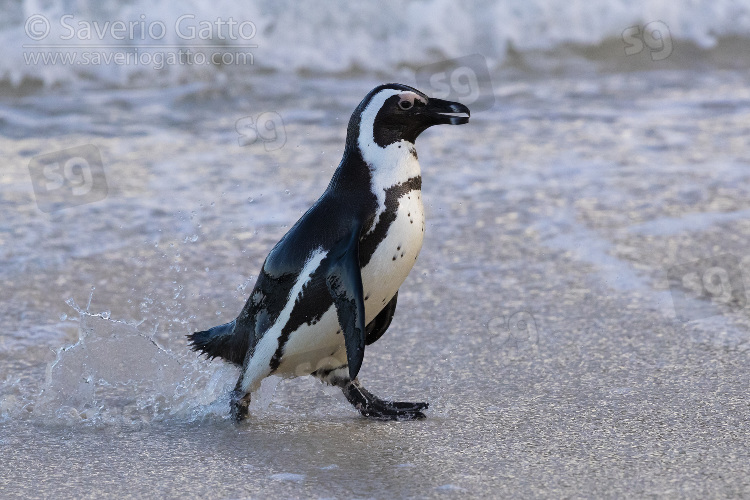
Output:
[[395, 256]]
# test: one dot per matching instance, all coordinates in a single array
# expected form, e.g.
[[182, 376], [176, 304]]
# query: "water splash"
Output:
[[116, 374]]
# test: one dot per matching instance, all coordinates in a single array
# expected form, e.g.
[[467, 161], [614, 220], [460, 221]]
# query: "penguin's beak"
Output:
[[446, 112]]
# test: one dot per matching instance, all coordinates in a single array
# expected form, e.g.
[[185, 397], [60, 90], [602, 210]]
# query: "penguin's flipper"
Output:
[[344, 281], [377, 327]]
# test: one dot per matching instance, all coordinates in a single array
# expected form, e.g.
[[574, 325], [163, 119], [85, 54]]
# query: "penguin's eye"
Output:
[[405, 104]]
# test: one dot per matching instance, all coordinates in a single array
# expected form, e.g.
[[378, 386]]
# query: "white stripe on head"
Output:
[[388, 165], [367, 119]]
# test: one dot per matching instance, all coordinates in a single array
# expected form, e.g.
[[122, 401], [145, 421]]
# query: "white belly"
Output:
[[395, 256]]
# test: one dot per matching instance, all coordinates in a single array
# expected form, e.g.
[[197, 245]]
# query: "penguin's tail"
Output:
[[220, 342]]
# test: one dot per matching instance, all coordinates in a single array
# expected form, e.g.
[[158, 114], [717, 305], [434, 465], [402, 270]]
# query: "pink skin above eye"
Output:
[[409, 97]]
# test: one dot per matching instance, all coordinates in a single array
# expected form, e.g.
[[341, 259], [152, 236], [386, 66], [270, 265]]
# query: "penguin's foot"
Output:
[[373, 407], [238, 405]]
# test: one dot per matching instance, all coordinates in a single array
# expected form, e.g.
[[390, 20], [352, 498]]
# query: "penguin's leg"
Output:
[[240, 396], [239, 403], [368, 404], [254, 369]]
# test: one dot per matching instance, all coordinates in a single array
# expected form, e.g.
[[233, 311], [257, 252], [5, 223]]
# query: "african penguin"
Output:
[[329, 286]]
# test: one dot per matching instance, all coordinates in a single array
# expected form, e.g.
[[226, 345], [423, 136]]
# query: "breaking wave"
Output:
[[155, 42]]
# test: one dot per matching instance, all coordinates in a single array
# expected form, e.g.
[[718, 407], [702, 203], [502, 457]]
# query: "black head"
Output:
[[394, 112]]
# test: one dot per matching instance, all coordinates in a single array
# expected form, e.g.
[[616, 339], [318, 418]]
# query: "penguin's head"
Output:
[[394, 112]]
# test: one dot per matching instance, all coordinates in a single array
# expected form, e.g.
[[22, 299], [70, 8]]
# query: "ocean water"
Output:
[[64, 42], [577, 318]]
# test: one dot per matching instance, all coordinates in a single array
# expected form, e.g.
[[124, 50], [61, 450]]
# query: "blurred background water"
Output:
[[577, 317]]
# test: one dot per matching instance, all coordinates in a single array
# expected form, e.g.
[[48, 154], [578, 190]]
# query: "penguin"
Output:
[[329, 287]]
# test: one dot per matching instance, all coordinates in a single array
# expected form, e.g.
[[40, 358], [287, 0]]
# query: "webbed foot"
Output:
[[371, 406]]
